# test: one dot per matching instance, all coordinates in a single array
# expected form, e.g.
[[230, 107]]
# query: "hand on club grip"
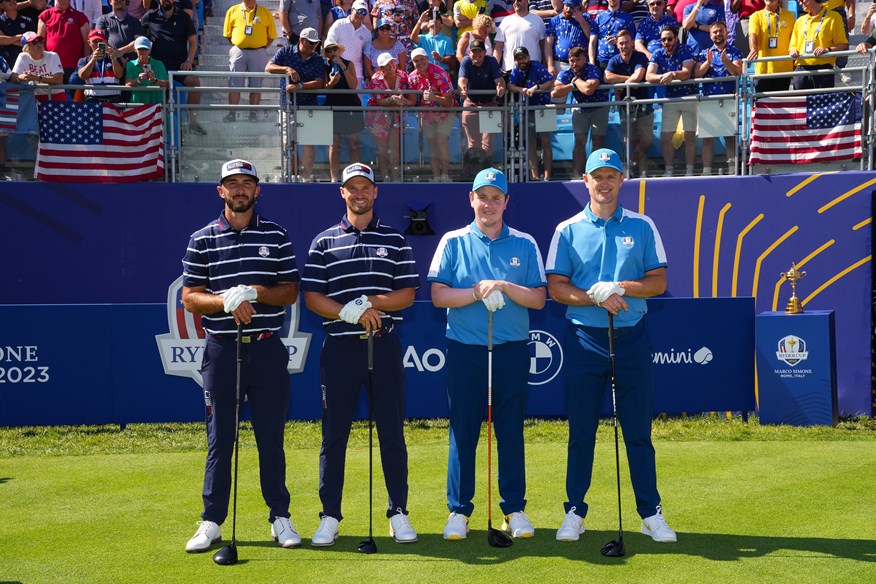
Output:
[[353, 310], [236, 296], [494, 300], [601, 291]]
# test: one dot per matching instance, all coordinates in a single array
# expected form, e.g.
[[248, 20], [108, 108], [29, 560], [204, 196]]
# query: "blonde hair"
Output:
[[481, 20]]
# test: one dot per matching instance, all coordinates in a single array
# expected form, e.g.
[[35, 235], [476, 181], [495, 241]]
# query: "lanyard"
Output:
[[245, 11], [778, 18], [817, 30]]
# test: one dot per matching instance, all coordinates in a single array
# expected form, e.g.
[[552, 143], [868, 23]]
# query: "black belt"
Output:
[[597, 331], [251, 338]]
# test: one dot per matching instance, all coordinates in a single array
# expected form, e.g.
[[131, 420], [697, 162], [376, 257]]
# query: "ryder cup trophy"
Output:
[[793, 276]]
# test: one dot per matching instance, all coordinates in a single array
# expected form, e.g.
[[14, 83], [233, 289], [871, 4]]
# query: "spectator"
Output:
[[121, 29], [572, 28], [32, 8], [65, 31], [521, 29], [103, 67], [444, 16], [582, 80], [250, 29], [6, 74], [675, 62], [846, 10], [384, 43], [175, 43], [304, 69], [341, 75], [352, 34], [437, 88], [869, 20], [609, 23], [638, 9], [698, 19], [637, 120], [817, 33], [181, 5], [90, 8], [36, 65], [648, 31], [479, 72], [13, 25], [545, 9], [531, 80], [437, 45], [296, 15], [401, 15], [339, 11], [481, 28], [465, 11], [675, 8], [593, 7], [746, 9], [770, 36], [720, 60], [385, 124], [144, 71]]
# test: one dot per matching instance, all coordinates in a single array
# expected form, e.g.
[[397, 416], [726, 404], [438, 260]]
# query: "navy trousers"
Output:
[[265, 383], [343, 368]]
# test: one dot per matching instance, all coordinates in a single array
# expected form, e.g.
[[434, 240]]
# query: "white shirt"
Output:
[[520, 31], [50, 64], [91, 8], [354, 39]]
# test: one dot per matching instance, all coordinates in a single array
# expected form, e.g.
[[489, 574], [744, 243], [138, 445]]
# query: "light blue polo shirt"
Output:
[[466, 256], [588, 249]]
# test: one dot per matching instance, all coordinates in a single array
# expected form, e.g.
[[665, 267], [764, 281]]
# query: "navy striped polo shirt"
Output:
[[221, 258], [344, 263]]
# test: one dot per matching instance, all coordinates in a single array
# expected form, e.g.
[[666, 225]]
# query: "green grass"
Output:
[[750, 503]]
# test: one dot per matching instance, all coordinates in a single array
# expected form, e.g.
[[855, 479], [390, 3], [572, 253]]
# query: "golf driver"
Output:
[[368, 546], [615, 548], [495, 537], [227, 556]]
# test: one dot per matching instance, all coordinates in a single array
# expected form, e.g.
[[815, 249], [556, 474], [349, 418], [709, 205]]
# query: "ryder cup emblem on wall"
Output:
[[381, 252], [792, 350], [182, 349], [263, 251]]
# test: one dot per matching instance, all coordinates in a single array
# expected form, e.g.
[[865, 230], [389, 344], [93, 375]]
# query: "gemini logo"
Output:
[[545, 357]]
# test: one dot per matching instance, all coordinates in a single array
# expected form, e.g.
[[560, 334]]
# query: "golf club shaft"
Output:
[[489, 418], [237, 430], [371, 434], [620, 528]]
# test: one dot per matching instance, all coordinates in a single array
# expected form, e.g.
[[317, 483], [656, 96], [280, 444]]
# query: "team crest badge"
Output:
[[490, 176], [515, 262], [381, 252], [604, 156], [627, 241], [263, 251], [792, 349]]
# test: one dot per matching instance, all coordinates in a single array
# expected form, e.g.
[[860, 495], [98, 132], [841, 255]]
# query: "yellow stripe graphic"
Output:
[[799, 264], [818, 290], [739, 239], [696, 252], [718, 248], [846, 195], [764, 255]]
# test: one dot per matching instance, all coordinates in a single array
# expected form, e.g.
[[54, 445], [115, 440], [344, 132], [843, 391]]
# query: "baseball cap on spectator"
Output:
[[30, 37], [310, 34], [604, 158], [357, 169], [97, 34], [383, 22], [238, 166], [384, 59], [477, 45], [142, 42], [419, 52], [521, 51], [490, 177], [360, 5], [572, 3]]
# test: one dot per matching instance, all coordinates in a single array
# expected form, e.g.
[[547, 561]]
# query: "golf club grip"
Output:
[[371, 350], [489, 420]]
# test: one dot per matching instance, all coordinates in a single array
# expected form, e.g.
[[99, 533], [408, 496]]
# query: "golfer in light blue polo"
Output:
[[487, 267], [607, 259]]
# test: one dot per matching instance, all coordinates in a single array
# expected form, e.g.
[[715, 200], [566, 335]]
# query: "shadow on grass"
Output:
[[4, 480]]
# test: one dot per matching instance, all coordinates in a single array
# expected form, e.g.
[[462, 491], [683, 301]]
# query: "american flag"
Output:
[[99, 142], [17, 109], [806, 128]]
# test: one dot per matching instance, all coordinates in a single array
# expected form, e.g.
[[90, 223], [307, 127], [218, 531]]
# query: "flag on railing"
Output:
[[99, 142], [18, 113], [806, 128]]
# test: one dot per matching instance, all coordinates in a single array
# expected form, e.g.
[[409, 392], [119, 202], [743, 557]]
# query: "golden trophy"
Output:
[[793, 276]]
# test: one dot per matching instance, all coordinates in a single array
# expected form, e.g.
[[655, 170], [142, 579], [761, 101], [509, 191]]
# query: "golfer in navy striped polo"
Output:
[[360, 274], [240, 268]]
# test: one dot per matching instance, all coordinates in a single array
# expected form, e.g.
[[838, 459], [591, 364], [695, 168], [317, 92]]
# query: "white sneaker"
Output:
[[572, 527], [519, 525], [457, 527], [400, 528], [283, 532], [656, 527], [326, 533], [208, 533]]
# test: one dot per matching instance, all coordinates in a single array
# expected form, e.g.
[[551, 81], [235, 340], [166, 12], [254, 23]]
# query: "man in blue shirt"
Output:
[[604, 260], [610, 22], [573, 28], [530, 80], [439, 48], [487, 267], [697, 20], [648, 30], [479, 72], [360, 274], [721, 60], [240, 270]]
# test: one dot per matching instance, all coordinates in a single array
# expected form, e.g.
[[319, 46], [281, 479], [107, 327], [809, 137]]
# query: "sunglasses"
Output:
[[361, 12], [655, 4], [310, 42], [329, 50], [385, 28], [667, 39]]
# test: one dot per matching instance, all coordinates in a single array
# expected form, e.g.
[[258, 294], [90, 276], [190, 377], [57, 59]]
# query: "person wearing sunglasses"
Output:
[[348, 123], [352, 33], [648, 31], [384, 42]]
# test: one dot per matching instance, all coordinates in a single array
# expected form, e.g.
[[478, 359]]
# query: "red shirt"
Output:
[[64, 34], [749, 7]]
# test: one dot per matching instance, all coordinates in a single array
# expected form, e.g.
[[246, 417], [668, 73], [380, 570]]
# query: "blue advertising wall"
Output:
[[99, 251]]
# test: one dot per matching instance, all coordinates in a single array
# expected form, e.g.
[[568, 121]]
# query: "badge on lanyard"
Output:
[[809, 47], [247, 29], [773, 42]]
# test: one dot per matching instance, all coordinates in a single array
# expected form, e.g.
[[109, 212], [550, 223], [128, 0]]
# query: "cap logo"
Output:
[[238, 164], [604, 156], [490, 176]]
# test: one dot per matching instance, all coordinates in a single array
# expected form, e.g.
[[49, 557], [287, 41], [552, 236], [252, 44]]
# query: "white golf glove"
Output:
[[352, 310], [494, 300], [236, 296], [601, 291]]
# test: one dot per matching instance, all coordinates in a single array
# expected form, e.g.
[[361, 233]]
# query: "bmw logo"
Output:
[[545, 357]]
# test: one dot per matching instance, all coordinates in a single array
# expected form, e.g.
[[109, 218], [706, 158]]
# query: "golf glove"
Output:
[[494, 300], [601, 291], [352, 310], [236, 296]]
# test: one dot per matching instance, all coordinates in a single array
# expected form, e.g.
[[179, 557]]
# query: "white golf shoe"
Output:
[[457, 527], [326, 533], [519, 525], [208, 533], [283, 532], [656, 527], [572, 527], [400, 528]]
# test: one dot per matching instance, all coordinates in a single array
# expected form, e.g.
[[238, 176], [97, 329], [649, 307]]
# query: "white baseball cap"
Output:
[[238, 166], [310, 34], [384, 59], [357, 169], [360, 4], [419, 52]]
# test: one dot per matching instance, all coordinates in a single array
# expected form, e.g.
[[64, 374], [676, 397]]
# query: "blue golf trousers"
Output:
[[265, 383], [587, 377], [467, 394], [343, 373]]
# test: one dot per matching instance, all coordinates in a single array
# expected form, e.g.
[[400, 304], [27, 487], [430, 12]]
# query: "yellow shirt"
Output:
[[237, 18], [831, 33], [764, 24]]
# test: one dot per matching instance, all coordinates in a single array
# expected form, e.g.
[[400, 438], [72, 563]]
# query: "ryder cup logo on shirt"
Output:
[[545, 357], [627, 241], [381, 252], [515, 262], [792, 350], [182, 349], [263, 251]]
